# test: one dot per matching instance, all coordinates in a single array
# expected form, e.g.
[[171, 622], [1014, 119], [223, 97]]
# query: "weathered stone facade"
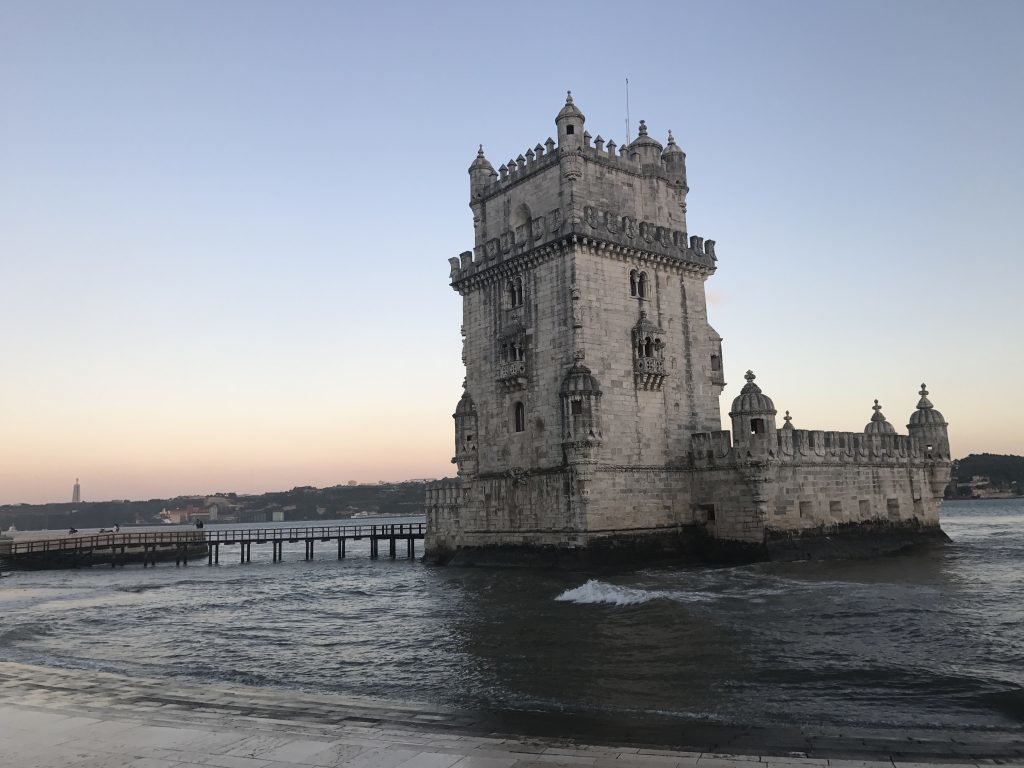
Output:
[[590, 420]]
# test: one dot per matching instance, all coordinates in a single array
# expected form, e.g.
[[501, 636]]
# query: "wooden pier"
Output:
[[151, 547]]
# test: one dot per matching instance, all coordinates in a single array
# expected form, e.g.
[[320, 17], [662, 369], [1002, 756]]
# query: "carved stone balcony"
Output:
[[511, 375], [648, 372]]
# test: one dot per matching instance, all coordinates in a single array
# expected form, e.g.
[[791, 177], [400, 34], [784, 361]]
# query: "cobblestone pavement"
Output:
[[82, 719]]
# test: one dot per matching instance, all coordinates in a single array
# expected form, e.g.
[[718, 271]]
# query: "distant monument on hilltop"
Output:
[[589, 425], [76, 493]]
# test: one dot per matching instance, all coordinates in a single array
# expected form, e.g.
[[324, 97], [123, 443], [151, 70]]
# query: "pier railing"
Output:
[[324, 533], [213, 536], [104, 540]]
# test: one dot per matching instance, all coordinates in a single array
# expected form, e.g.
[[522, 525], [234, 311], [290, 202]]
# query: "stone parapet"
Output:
[[718, 450]]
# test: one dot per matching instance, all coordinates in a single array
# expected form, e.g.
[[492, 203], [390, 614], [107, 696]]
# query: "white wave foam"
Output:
[[595, 591]]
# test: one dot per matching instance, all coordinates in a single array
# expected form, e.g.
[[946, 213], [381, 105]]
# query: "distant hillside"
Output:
[[1005, 473], [303, 503]]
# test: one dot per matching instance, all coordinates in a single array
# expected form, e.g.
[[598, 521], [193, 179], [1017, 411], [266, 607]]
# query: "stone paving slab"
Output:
[[84, 719]]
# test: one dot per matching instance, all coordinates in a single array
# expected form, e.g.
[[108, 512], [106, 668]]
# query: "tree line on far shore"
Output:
[[298, 504], [1005, 474]]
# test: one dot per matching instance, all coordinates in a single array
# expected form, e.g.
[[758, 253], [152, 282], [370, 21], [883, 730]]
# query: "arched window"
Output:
[[514, 291], [520, 417], [648, 347], [632, 282], [642, 285]]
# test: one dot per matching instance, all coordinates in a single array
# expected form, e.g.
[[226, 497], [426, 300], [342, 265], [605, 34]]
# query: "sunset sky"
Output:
[[224, 227]]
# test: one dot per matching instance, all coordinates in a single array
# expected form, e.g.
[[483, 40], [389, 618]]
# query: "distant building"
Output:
[[590, 421], [184, 515], [76, 493], [221, 509]]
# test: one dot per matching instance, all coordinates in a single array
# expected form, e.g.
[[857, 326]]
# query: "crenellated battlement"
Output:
[[519, 168], [444, 493], [626, 158], [717, 450]]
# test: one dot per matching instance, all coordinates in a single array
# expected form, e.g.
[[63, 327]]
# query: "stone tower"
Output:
[[589, 421], [586, 339]]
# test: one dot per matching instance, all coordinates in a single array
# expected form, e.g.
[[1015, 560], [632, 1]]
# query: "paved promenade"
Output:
[[51, 717]]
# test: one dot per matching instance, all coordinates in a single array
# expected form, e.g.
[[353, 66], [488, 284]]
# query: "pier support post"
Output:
[[241, 548], [216, 554], [391, 547]]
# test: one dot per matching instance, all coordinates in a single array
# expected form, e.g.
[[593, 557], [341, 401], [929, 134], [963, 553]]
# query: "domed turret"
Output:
[[753, 412], [878, 425], [928, 428], [465, 407], [581, 410], [579, 380], [646, 149], [466, 435], [926, 415], [570, 124], [751, 399], [675, 161], [481, 173]]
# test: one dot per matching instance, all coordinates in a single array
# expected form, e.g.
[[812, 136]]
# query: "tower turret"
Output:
[[481, 174], [929, 428], [674, 160], [752, 414], [570, 125], [878, 424], [644, 149], [466, 435]]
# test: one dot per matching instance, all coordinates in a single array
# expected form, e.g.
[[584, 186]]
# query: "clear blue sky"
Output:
[[224, 226]]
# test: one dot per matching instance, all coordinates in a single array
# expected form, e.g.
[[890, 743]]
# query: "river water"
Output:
[[934, 638]]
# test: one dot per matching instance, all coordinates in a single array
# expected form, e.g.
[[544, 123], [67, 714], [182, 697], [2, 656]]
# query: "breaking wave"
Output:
[[595, 591]]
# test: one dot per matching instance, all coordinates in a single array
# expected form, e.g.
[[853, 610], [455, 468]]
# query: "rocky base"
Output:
[[692, 544]]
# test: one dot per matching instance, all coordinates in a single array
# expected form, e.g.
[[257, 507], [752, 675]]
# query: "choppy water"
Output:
[[933, 638]]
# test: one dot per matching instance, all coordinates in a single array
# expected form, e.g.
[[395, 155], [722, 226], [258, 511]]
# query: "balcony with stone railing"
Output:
[[511, 375], [648, 372]]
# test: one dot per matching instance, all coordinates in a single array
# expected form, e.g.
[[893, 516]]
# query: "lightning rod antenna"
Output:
[[627, 110]]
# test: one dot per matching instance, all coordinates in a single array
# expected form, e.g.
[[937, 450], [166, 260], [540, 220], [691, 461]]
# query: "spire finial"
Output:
[[876, 406], [671, 140], [480, 152], [568, 97], [787, 418], [923, 392], [749, 376], [643, 128]]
